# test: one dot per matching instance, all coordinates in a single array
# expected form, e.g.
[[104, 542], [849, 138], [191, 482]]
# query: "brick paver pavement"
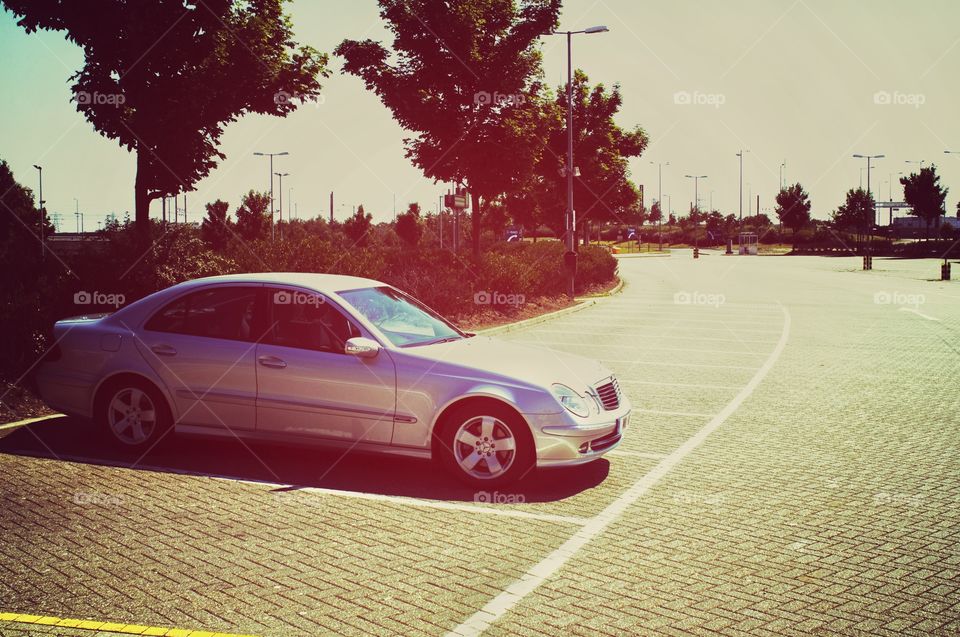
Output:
[[826, 503]]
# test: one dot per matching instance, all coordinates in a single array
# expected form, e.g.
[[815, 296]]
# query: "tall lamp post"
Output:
[[783, 174], [271, 156], [869, 159], [280, 218], [570, 221], [43, 250], [740, 155], [918, 162], [696, 206], [660, 166]]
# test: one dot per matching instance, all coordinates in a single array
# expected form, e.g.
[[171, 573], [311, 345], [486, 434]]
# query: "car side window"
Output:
[[220, 312], [307, 321]]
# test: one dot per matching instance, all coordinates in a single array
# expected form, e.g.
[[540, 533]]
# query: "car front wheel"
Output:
[[487, 446]]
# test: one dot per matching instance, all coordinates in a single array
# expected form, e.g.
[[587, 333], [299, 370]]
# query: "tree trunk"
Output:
[[142, 195], [475, 217]]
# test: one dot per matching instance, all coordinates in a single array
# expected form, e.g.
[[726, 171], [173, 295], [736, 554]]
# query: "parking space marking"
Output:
[[28, 421], [658, 383], [359, 495], [666, 364], [919, 313], [676, 338], [109, 627], [672, 413], [622, 346], [637, 454], [540, 572]]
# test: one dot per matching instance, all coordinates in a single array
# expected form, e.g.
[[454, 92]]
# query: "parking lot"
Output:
[[790, 468]]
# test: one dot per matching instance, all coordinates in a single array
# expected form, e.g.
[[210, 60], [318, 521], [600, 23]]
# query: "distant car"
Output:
[[333, 360]]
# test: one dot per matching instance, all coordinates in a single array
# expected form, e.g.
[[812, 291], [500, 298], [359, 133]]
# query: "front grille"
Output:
[[609, 394]]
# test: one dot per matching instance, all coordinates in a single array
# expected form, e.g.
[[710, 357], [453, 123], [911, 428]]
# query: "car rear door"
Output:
[[308, 386], [202, 345]]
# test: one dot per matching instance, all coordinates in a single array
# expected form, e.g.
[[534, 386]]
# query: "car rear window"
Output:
[[225, 312]]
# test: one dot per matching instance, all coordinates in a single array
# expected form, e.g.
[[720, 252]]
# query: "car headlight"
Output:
[[574, 402]]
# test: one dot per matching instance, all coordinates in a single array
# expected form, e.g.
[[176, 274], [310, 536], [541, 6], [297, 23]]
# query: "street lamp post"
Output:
[[570, 221], [660, 201], [740, 155], [869, 158], [919, 162], [280, 216], [783, 175], [271, 156], [43, 250], [696, 207]]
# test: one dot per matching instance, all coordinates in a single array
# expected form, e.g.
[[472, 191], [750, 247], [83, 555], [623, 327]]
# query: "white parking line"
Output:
[[657, 383], [360, 495], [684, 337], [610, 361], [540, 572], [620, 346], [919, 313], [637, 454], [671, 413]]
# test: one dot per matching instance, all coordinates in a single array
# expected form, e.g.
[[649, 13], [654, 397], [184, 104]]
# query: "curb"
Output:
[[584, 302], [29, 421]]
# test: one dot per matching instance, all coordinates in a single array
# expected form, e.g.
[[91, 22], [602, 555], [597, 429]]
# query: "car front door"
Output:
[[308, 386], [202, 345]]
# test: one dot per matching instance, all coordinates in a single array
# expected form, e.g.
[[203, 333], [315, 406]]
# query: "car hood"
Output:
[[538, 365]]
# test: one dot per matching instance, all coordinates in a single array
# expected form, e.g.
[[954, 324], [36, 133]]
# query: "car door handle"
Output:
[[272, 361], [164, 350]]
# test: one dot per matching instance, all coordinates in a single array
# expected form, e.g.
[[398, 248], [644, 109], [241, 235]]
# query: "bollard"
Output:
[[945, 271], [696, 253], [867, 262]]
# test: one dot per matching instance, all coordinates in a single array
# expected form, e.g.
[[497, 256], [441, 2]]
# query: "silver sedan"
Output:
[[333, 360]]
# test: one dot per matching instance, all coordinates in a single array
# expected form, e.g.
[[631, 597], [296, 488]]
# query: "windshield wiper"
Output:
[[445, 339]]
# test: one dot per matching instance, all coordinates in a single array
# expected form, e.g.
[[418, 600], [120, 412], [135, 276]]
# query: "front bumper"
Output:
[[563, 439]]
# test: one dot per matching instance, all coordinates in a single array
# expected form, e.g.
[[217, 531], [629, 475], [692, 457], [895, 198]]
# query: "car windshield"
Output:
[[403, 320]]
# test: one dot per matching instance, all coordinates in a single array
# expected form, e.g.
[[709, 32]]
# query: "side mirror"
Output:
[[361, 347]]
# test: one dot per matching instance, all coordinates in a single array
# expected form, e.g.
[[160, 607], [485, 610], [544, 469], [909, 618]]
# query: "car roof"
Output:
[[326, 283]]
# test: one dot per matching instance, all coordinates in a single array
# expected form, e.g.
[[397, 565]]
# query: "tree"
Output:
[[655, 213], [471, 98], [216, 228], [253, 220], [163, 78], [922, 191], [357, 227], [856, 214], [408, 225], [32, 281], [793, 207], [601, 149]]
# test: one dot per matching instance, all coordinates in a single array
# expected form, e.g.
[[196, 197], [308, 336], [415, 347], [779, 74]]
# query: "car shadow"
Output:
[[74, 440]]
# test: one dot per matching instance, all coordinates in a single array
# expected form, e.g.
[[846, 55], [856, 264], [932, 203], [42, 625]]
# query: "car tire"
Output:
[[486, 445], [132, 414]]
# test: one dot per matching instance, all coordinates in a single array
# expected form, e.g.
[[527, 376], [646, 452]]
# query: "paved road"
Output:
[[791, 469]]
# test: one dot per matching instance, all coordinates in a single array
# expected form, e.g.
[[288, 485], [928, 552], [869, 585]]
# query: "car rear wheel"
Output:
[[487, 445], [133, 414]]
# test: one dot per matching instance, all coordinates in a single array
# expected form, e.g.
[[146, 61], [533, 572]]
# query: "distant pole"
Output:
[[43, 251], [184, 207], [440, 216], [76, 213], [280, 203], [331, 206]]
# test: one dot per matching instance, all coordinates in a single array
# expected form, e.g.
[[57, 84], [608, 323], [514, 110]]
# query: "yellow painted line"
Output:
[[112, 627], [29, 421]]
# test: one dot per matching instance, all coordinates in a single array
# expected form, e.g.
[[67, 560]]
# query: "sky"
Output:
[[805, 83]]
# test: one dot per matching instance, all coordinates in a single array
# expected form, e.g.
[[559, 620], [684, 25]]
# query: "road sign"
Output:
[[455, 201]]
